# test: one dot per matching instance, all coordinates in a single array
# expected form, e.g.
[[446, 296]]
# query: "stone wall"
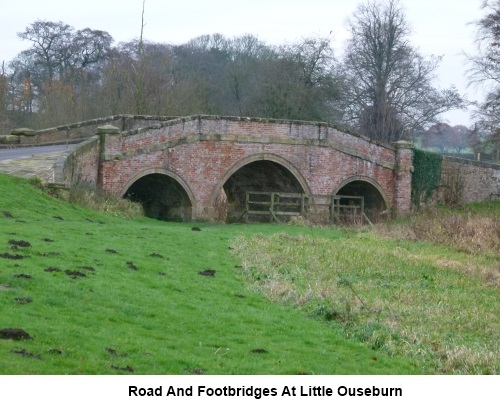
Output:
[[79, 165], [72, 133], [78, 132], [475, 181], [131, 122]]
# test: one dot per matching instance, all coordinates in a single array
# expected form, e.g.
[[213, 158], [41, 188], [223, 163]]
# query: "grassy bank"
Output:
[[97, 294], [426, 288]]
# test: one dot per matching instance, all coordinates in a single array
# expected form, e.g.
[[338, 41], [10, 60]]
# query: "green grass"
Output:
[[163, 317], [284, 299], [426, 302]]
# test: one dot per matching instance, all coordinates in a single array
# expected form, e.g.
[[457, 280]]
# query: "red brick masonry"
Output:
[[202, 152]]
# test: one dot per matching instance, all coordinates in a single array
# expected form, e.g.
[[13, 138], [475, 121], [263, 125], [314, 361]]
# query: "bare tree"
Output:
[[388, 89], [136, 83], [437, 136], [56, 77], [89, 47], [4, 97], [443, 136], [299, 81], [485, 65], [244, 73], [485, 70], [461, 138], [51, 44]]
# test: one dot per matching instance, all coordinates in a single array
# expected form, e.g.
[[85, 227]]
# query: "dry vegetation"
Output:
[[87, 196], [465, 230], [436, 302], [96, 200]]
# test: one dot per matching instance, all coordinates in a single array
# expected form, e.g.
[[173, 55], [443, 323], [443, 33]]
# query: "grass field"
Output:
[[99, 294]]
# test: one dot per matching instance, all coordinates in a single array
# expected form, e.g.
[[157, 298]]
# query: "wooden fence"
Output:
[[278, 206]]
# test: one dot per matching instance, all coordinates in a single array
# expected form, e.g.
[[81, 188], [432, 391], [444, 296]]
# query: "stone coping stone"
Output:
[[23, 131], [108, 129], [11, 139]]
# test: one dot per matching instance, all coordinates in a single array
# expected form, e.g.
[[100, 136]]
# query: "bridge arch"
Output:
[[375, 198], [163, 194], [258, 172]]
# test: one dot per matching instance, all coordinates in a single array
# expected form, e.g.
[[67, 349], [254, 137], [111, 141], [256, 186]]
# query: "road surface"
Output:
[[16, 153]]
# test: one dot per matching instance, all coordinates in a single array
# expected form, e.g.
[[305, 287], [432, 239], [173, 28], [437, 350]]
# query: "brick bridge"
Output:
[[184, 167]]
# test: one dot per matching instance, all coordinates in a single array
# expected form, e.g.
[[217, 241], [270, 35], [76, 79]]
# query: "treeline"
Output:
[[381, 87], [78, 75]]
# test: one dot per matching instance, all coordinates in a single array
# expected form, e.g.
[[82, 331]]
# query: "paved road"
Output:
[[36, 161], [16, 153]]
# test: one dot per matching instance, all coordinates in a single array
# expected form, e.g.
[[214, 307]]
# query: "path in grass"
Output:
[[102, 295]]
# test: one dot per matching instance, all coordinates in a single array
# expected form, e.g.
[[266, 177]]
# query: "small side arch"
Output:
[[375, 197], [163, 194], [364, 179]]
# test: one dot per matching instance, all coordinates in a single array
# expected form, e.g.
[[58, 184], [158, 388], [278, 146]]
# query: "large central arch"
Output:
[[163, 194], [260, 172]]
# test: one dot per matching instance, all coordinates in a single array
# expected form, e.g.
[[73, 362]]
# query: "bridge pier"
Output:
[[402, 177], [109, 148], [204, 214]]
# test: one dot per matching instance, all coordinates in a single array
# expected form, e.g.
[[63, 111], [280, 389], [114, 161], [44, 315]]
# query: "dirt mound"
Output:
[[89, 268], [75, 274], [114, 352], [127, 369], [11, 257], [19, 243], [52, 269], [22, 275], [23, 300], [25, 353], [156, 255], [14, 334], [132, 266], [208, 272]]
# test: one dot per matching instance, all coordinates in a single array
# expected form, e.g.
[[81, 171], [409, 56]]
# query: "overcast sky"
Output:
[[440, 27]]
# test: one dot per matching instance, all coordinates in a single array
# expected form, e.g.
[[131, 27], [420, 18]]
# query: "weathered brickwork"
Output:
[[402, 176], [479, 181], [202, 153]]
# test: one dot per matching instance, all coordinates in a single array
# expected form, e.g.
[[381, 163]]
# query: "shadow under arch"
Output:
[[375, 198], [163, 194], [260, 172]]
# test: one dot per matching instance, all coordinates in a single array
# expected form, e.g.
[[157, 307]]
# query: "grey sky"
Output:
[[440, 27]]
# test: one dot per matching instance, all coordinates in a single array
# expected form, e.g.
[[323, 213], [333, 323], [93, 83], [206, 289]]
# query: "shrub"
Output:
[[464, 230], [468, 233], [426, 175], [85, 195]]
